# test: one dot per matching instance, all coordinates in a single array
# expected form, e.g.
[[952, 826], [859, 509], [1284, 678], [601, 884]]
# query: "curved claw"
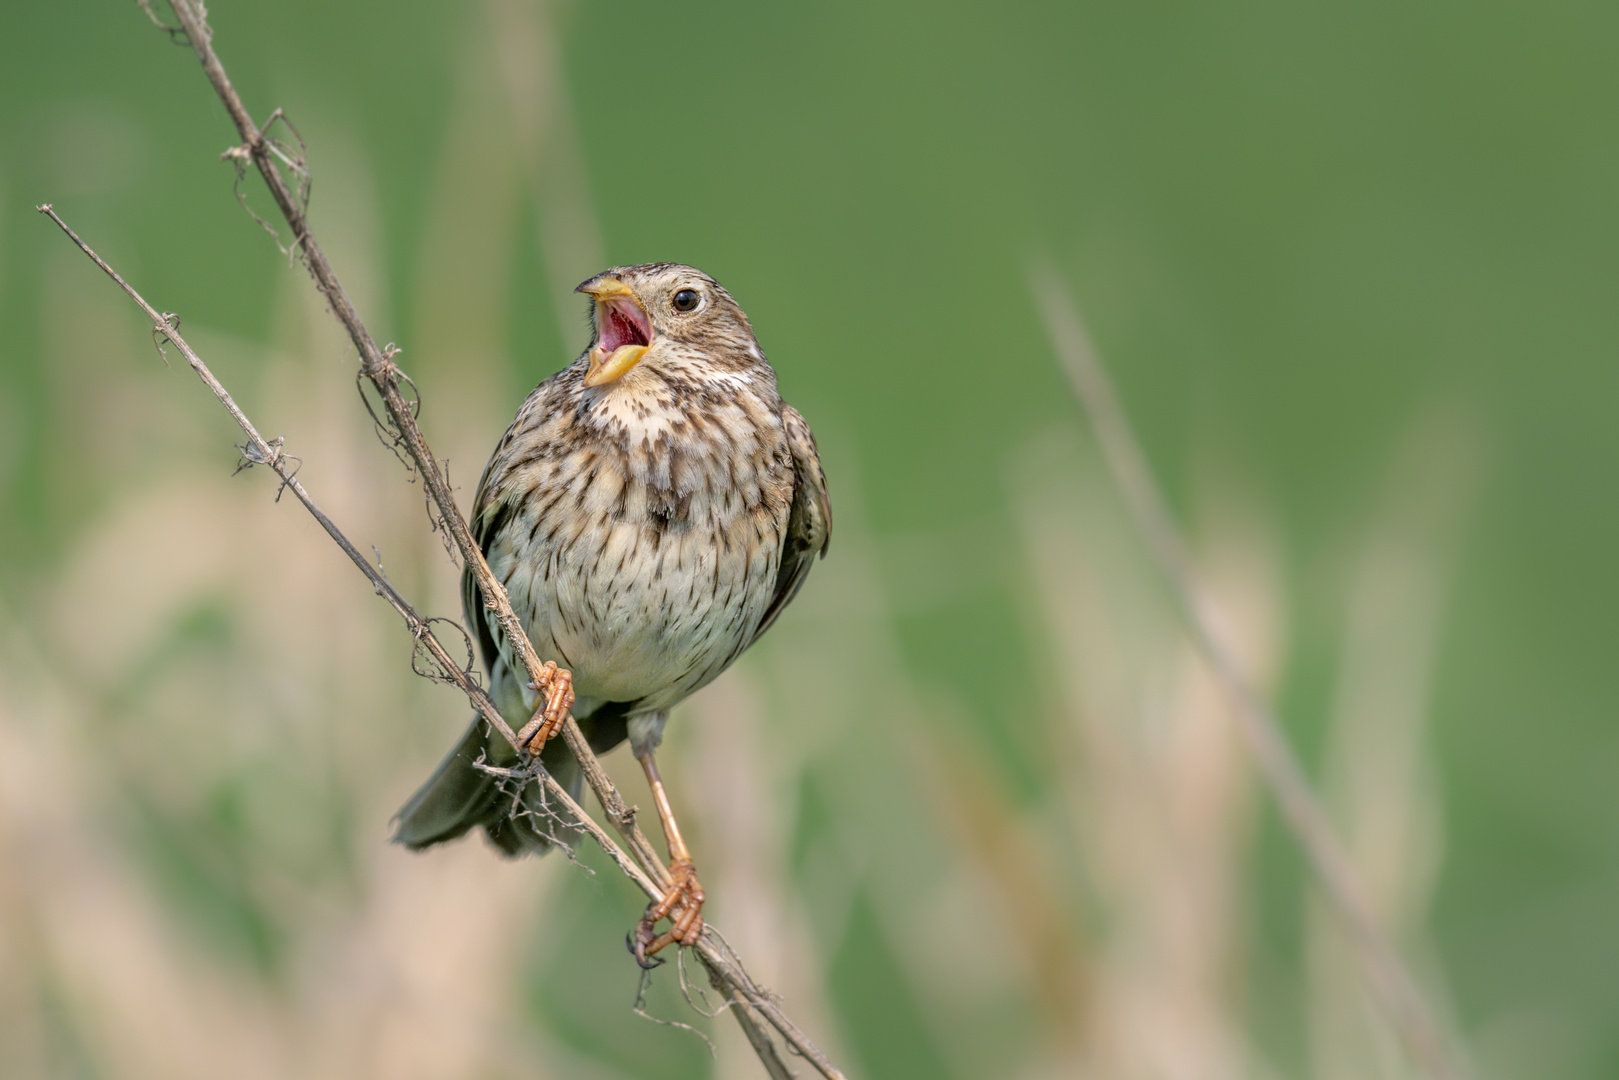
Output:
[[557, 685], [682, 905], [637, 948]]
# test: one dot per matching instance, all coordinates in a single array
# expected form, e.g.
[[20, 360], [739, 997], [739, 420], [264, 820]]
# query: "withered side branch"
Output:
[[377, 366], [748, 998], [271, 453]]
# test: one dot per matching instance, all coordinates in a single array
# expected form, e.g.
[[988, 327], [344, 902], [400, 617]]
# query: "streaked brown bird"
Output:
[[651, 510]]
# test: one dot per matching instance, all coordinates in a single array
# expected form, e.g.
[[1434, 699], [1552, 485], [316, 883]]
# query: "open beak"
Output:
[[623, 331]]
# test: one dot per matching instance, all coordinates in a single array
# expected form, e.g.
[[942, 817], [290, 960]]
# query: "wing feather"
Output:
[[485, 524], [809, 523]]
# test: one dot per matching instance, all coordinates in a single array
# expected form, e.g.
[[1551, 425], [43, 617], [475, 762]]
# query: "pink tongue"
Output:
[[621, 331]]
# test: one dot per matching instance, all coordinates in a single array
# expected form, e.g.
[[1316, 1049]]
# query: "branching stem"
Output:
[[640, 862], [724, 966]]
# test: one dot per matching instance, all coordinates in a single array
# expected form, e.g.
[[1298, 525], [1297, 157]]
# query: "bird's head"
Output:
[[666, 315]]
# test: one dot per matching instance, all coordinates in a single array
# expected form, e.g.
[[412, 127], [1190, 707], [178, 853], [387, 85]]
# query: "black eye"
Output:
[[686, 300]]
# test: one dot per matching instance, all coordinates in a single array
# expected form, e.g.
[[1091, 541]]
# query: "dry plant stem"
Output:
[[259, 451], [1392, 983], [377, 365], [724, 968], [757, 1036]]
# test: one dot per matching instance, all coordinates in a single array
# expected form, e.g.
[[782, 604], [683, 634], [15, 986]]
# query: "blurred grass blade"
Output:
[[1301, 811]]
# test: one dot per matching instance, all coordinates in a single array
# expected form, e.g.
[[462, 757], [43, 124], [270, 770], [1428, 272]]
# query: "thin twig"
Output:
[[1393, 985], [758, 1037], [377, 365], [271, 453]]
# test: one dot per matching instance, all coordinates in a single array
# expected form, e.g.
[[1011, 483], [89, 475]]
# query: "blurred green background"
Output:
[[971, 807]]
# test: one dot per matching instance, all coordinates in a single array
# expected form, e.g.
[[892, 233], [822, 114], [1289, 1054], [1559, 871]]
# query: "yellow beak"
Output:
[[605, 288], [610, 293], [606, 369]]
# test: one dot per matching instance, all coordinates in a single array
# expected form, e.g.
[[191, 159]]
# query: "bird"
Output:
[[651, 510]]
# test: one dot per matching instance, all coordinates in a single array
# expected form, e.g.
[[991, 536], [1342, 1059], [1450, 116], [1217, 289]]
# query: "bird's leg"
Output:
[[682, 902], [556, 688]]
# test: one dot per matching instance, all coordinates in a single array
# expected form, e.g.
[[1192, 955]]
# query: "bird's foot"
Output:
[[556, 684], [682, 905]]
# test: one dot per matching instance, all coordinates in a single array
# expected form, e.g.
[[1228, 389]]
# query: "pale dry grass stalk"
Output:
[[1396, 989], [397, 984], [380, 965], [739, 809], [1157, 788], [1378, 778], [641, 863], [882, 838], [523, 41]]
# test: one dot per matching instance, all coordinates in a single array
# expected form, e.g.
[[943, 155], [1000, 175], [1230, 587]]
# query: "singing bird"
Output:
[[651, 510]]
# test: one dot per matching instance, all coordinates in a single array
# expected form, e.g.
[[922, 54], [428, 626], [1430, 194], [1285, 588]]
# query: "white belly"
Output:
[[645, 616]]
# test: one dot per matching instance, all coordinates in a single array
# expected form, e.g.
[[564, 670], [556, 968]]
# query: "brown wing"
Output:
[[809, 523], [479, 618], [485, 524]]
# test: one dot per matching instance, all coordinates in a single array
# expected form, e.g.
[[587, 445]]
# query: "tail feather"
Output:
[[459, 797]]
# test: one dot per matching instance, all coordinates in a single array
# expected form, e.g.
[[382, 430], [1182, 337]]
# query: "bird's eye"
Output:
[[686, 300]]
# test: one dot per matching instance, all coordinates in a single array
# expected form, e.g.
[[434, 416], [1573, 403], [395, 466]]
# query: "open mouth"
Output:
[[623, 330], [624, 333], [622, 323]]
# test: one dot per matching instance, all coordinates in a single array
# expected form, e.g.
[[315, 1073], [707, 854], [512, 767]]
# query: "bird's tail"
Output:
[[460, 796]]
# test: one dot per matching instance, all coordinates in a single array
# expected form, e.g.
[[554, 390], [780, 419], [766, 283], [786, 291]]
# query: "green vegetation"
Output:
[[971, 806]]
